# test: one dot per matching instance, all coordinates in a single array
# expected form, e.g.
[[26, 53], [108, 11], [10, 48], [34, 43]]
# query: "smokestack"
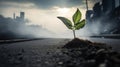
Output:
[[14, 16], [22, 15], [108, 5]]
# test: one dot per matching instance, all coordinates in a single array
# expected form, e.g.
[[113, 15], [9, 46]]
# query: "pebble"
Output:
[[60, 63]]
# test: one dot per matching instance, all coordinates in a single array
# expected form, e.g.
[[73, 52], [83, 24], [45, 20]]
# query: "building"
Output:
[[20, 18], [107, 13], [97, 10], [108, 5], [117, 3], [89, 15], [22, 15], [14, 16]]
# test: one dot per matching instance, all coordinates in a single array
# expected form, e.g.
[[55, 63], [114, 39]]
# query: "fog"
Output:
[[42, 16], [11, 28], [41, 20]]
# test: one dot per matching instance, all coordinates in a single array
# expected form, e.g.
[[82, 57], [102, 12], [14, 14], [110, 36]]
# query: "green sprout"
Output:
[[77, 22]]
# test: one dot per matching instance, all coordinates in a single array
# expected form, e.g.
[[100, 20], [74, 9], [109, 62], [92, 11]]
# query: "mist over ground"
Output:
[[42, 21], [17, 28], [10, 28]]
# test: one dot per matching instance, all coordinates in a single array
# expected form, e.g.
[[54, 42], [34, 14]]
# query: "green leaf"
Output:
[[79, 25], [77, 16], [66, 21]]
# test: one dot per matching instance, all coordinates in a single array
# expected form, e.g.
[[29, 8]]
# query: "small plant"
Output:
[[77, 22]]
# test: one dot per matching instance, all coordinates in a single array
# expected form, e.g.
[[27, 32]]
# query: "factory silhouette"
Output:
[[21, 18], [107, 14], [17, 27]]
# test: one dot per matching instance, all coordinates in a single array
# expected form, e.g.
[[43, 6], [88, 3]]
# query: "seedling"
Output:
[[76, 24]]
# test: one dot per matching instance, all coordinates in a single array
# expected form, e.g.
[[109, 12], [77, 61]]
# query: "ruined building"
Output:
[[107, 12]]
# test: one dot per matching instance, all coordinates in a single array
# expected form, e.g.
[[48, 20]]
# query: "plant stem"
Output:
[[74, 34]]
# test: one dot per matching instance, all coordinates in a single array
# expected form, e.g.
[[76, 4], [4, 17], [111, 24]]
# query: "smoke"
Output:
[[10, 28], [102, 25]]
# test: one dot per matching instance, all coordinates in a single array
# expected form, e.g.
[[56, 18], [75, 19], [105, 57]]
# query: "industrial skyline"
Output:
[[102, 13]]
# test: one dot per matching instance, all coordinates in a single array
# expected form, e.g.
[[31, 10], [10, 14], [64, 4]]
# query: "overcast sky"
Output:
[[44, 4], [44, 12]]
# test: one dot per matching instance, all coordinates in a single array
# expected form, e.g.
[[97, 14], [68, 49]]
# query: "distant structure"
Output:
[[97, 9], [89, 14], [108, 5], [117, 3], [14, 16], [101, 8], [22, 15], [106, 12], [19, 18], [87, 4]]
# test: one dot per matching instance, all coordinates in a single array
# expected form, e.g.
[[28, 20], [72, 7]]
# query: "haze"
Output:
[[45, 12]]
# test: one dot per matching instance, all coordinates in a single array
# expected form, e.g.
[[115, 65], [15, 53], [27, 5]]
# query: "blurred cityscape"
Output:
[[106, 13], [21, 18], [18, 27]]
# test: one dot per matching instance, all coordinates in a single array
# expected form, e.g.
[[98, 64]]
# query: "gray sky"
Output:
[[46, 4]]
